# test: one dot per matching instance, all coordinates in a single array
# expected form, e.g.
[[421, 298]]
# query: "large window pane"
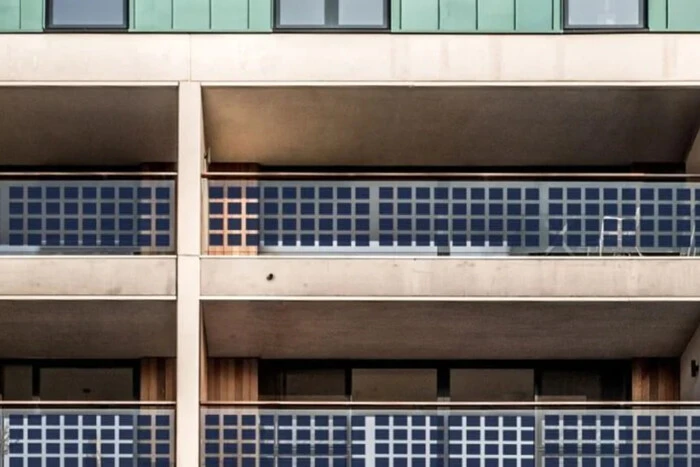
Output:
[[571, 385], [302, 384], [411, 385], [604, 13], [360, 13], [319, 385], [87, 13], [91, 384], [482, 385], [605, 383], [17, 383], [319, 14], [302, 13]]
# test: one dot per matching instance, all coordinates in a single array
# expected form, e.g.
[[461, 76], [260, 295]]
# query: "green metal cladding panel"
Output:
[[201, 15], [477, 16], [674, 15], [21, 15]]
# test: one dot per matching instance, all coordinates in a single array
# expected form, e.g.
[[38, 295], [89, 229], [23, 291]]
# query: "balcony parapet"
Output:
[[524, 434], [448, 217], [80, 433], [64, 213]]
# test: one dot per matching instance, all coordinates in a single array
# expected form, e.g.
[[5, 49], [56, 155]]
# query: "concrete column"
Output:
[[692, 159], [690, 385], [189, 171]]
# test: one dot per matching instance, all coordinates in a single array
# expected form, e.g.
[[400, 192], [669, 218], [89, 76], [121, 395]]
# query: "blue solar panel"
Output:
[[86, 439], [575, 218], [83, 214]]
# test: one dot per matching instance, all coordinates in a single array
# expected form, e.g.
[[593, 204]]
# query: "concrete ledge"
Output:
[[104, 276], [450, 278], [355, 58], [93, 57]]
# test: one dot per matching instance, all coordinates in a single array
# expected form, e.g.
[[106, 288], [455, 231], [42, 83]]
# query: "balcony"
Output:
[[388, 239], [452, 218], [87, 434], [451, 434], [85, 234]]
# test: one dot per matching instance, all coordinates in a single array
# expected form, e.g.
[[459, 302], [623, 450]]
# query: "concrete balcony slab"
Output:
[[412, 278], [123, 277]]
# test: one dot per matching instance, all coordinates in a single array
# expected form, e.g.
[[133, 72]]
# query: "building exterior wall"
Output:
[[540, 54], [268, 59], [407, 16]]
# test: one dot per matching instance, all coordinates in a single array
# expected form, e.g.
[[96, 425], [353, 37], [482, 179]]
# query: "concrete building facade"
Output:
[[345, 233]]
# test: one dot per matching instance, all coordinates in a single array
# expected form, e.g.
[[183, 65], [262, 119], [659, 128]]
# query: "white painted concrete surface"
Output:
[[437, 278], [266, 58], [122, 276], [190, 160]]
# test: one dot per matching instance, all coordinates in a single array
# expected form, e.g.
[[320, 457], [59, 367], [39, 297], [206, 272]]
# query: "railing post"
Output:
[[538, 453], [4, 213], [373, 214]]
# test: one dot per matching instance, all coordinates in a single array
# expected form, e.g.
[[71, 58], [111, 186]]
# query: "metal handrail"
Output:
[[451, 405], [449, 175], [86, 175], [86, 404]]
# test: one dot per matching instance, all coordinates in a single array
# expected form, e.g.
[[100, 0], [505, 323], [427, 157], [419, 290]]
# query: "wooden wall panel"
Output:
[[655, 379], [232, 379], [203, 363], [158, 379]]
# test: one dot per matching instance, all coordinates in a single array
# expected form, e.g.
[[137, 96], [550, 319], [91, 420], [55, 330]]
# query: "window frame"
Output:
[[640, 26], [49, 26], [329, 26]]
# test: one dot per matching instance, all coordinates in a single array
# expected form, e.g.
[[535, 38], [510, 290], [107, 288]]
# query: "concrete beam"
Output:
[[34, 277], [390, 58], [442, 278]]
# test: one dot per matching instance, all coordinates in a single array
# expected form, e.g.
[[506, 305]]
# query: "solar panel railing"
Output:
[[455, 436], [82, 216], [84, 435], [451, 217]]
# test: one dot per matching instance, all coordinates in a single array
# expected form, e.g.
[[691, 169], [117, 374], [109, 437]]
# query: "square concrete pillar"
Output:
[[189, 171]]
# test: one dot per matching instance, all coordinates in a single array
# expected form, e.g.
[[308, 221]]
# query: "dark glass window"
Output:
[[425, 381], [593, 382], [394, 384], [309, 382], [605, 14], [86, 14], [492, 384], [331, 14]]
